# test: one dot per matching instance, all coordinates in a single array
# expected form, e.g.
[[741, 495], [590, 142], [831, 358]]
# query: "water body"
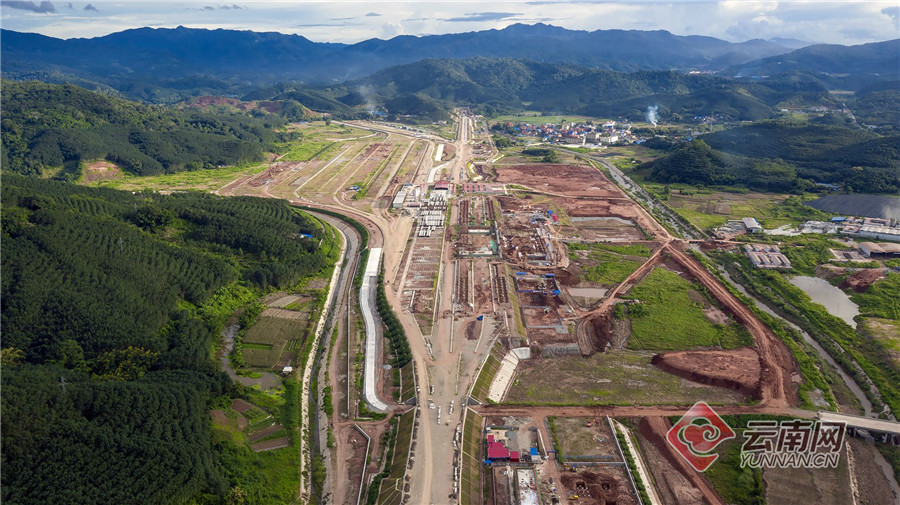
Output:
[[886, 207], [601, 218], [848, 381], [588, 292], [831, 297]]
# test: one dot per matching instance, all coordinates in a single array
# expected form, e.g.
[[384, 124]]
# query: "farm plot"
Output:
[[270, 342], [608, 378]]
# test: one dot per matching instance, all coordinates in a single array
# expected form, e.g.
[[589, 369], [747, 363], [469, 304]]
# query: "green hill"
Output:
[[786, 156], [112, 303], [48, 126]]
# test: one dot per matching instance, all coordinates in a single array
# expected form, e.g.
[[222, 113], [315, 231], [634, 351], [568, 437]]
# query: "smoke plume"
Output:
[[651, 114]]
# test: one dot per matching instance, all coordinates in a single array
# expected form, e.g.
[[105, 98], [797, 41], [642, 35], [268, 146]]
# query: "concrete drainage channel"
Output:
[[367, 304]]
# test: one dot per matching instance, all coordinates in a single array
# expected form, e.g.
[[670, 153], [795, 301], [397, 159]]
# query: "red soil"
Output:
[[736, 369]]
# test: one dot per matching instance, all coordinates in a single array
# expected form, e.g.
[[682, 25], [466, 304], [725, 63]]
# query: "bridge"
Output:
[[883, 430]]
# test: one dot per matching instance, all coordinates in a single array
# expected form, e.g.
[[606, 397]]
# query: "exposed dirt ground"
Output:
[[599, 486], [737, 369], [671, 485], [100, 171], [861, 280], [568, 180], [654, 430], [873, 484]]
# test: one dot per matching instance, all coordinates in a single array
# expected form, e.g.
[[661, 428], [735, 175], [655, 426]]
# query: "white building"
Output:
[[752, 225], [879, 232], [399, 199]]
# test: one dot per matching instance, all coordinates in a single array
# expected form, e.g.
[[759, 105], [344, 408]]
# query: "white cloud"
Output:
[[848, 22]]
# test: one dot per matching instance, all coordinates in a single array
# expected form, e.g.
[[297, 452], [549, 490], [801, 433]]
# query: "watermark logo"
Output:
[[792, 444], [697, 433]]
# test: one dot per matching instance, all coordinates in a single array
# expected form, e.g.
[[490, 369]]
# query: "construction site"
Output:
[[537, 299]]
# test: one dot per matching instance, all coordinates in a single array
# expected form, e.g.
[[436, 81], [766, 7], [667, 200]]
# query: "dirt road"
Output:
[[776, 362]]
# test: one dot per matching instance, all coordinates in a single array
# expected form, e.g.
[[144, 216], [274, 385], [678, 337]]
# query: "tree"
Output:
[[12, 356]]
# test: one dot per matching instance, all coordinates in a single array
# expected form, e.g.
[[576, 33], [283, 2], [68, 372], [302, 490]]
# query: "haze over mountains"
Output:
[[183, 58], [272, 55]]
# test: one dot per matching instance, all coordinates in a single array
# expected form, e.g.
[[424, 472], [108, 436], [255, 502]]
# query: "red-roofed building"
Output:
[[496, 450]]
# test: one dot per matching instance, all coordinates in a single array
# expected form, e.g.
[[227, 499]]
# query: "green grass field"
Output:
[[610, 270], [710, 207], [604, 263], [613, 377], [211, 179], [305, 151], [534, 117], [670, 319]]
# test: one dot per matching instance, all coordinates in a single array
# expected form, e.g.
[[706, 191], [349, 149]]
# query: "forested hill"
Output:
[[111, 303], [881, 59], [431, 87], [147, 57], [48, 126], [786, 156]]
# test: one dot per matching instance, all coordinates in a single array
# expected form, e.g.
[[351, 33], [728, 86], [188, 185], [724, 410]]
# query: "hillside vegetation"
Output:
[[111, 303], [48, 126], [786, 156], [159, 64], [429, 88]]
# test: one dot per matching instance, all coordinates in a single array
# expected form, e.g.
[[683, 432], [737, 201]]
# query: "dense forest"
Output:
[[786, 156], [111, 302], [48, 126], [429, 88]]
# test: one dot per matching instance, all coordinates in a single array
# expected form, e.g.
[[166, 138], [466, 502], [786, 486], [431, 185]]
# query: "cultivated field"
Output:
[[271, 342]]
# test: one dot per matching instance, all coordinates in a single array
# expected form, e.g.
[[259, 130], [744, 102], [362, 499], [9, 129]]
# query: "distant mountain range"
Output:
[[881, 59], [604, 72], [172, 53]]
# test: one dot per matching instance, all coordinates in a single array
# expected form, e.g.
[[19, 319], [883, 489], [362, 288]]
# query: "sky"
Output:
[[837, 22]]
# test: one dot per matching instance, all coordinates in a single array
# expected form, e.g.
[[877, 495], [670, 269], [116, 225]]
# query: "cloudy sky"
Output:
[[841, 22]]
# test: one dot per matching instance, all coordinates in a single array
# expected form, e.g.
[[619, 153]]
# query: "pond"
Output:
[[588, 292], [831, 297], [886, 207]]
